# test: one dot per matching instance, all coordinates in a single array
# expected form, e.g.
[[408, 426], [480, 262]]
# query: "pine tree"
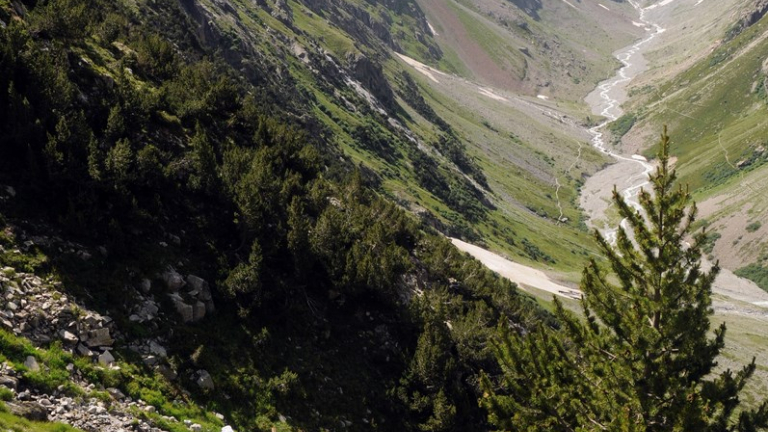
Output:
[[641, 358]]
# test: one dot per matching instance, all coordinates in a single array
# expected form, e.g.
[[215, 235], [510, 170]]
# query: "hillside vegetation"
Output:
[[133, 146]]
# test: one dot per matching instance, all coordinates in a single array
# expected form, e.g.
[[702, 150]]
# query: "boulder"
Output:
[[31, 363], [204, 380], [29, 410], [115, 393], [9, 382], [196, 283], [173, 280], [84, 351], [106, 359], [99, 337], [185, 310], [157, 349], [68, 337]]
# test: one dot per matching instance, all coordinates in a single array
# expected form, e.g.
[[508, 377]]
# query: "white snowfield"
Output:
[[524, 276]]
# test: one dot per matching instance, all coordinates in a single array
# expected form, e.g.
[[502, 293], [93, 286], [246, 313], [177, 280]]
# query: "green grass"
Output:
[[756, 273], [135, 381]]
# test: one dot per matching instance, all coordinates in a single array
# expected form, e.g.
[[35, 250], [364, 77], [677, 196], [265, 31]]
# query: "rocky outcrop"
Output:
[[35, 310], [193, 303], [370, 74], [754, 13]]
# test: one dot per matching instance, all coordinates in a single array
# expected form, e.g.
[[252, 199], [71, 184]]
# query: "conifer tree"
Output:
[[641, 358]]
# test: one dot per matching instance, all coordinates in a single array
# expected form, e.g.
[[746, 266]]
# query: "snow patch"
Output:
[[570, 4], [659, 4], [488, 92], [639, 158], [421, 67], [542, 97], [698, 2], [431, 29], [603, 6]]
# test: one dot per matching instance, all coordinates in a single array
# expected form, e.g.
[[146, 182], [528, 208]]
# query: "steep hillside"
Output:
[[201, 223], [554, 48]]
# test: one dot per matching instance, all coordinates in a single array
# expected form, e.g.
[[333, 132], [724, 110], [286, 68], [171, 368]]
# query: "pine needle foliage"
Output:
[[642, 357]]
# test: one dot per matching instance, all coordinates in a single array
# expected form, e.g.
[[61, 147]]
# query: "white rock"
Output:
[[196, 428], [68, 336], [227, 429]]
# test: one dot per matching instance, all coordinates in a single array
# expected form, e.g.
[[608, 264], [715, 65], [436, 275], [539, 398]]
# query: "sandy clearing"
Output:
[[524, 276]]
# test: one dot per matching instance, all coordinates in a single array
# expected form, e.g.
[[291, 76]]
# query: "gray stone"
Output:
[[157, 349], [204, 380], [84, 351], [184, 309], [199, 286], [31, 363], [115, 393], [196, 428], [106, 358], [209, 307], [173, 280], [99, 337], [9, 382], [11, 306]]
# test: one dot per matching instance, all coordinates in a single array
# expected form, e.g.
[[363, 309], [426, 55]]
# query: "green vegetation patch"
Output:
[[755, 272]]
